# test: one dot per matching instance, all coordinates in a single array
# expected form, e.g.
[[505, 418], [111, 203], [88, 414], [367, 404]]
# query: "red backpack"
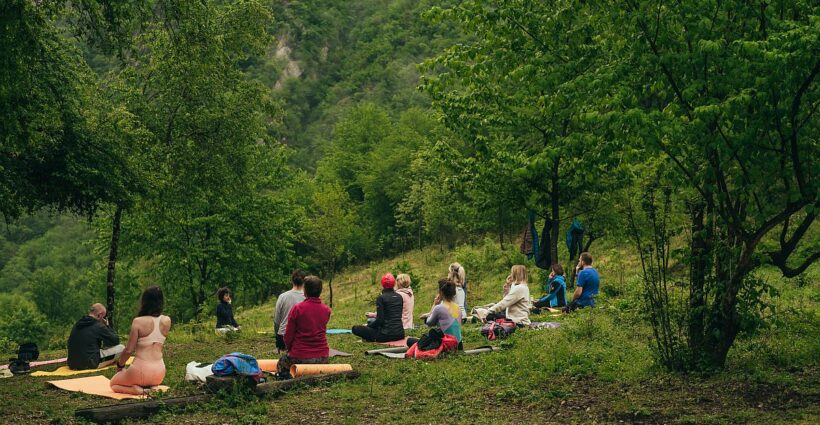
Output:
[[448, 343]]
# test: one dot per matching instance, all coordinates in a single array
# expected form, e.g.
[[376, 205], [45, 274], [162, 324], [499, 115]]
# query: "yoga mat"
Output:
[[338, 331], [65, 371], [393, 355], [298, 370], [97, 385], [479, 350], [267, 365], [544, 325], [40, 363], [335, 353], [386, 350]]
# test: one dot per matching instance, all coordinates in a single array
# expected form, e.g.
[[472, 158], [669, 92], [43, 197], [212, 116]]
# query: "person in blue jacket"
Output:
[[556, 289]]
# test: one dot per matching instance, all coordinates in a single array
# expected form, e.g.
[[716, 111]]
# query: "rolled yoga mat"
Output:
[[268, 365], [386, 350], [298, 370], [479, 350]]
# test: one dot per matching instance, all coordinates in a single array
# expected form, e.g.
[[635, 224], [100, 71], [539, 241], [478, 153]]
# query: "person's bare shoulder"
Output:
[[165, 325]]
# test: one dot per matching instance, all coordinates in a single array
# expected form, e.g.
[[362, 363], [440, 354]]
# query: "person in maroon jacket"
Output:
[[305, 338]]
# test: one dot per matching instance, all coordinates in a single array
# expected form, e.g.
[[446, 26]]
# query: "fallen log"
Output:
[[271, 387], [140, 409]]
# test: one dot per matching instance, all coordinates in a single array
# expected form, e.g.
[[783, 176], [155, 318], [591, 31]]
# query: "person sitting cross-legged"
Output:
[[556, 290], [446, 315], [587, 285], [515, 305], [305, 336], [92, 343], [388, 324]]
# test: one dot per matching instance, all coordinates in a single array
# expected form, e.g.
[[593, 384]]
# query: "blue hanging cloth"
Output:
[[536, 249], [574, 237]]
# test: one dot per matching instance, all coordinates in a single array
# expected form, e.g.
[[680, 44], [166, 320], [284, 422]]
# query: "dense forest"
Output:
[[196, 145]]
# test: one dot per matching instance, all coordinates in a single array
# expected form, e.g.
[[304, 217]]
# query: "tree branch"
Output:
[[793, 111]]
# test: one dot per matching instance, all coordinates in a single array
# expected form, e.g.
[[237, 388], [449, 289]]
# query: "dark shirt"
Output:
[[224, 315], [389, 307], [87, 337]]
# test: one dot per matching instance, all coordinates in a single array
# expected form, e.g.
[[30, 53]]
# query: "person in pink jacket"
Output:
[[403, 288]]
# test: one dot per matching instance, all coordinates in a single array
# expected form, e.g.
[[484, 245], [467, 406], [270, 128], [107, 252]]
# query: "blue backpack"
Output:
[[237, 364]]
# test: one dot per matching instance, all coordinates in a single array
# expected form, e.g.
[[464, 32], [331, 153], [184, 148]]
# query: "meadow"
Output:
[[597, 367]]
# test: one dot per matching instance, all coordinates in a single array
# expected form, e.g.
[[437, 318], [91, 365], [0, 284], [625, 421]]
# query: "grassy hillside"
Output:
[[596, 367]]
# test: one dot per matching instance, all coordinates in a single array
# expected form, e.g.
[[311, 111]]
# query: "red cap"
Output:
[[388, 281]]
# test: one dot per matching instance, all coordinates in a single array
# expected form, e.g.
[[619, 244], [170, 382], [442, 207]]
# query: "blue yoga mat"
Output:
[[338, 331]]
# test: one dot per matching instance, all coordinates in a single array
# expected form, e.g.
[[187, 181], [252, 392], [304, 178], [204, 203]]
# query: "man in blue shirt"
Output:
[[587, 284]]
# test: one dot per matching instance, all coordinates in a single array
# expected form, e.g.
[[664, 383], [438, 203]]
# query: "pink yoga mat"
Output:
[[41, 363], [399, 343]]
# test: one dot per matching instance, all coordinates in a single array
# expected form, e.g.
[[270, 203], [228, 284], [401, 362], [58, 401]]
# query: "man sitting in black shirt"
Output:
[[93, 343]]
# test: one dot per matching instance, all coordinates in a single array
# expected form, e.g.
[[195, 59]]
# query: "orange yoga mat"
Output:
[[96, 385], [267, 365], [298, 370]]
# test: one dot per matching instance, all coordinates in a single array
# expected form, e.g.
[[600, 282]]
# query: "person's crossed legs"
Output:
[[110, 355]]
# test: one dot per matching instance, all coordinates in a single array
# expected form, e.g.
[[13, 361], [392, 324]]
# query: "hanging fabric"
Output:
[[529, 238], [575, 237], [544, 258]]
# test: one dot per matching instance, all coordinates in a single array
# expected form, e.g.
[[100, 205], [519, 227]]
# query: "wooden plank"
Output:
[[140, 409], [284, 385]]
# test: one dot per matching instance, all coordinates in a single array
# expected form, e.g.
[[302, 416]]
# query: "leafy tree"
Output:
[[59, 138], [331, 231], [214, 215], [727, 92], [524, 85]]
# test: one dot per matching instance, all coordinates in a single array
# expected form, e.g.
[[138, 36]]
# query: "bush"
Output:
[[21, 322]]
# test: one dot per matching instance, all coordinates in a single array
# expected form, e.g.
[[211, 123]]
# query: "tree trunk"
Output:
[[555, 213], [697, 275], [330, 287], [330, 281], [112, 263], [501, 228]]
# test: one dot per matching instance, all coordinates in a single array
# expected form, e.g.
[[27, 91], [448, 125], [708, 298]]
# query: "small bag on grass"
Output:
[[498, 329]]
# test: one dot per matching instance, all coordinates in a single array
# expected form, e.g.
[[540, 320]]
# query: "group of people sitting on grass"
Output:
[[301, 318]]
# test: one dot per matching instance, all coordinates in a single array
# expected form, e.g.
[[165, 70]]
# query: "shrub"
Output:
[[21, 322]]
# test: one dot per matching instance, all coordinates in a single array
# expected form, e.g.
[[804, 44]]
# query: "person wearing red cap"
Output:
[[388, 325]]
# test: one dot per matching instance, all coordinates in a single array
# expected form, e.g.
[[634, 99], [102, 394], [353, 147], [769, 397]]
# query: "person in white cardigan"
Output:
[[515, 305]]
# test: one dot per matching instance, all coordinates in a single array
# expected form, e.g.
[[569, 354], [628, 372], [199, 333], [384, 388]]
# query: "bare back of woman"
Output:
[[145, 340]]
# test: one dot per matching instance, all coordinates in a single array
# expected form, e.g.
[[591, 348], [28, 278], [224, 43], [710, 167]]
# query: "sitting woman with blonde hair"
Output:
[[145, 341], [456, 274], [403, 288], [515, 305]]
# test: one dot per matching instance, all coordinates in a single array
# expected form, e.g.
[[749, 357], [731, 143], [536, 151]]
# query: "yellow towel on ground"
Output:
[[97, 385], [65, 371]]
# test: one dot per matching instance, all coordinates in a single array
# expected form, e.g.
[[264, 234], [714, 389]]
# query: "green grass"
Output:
[[597, 367]]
